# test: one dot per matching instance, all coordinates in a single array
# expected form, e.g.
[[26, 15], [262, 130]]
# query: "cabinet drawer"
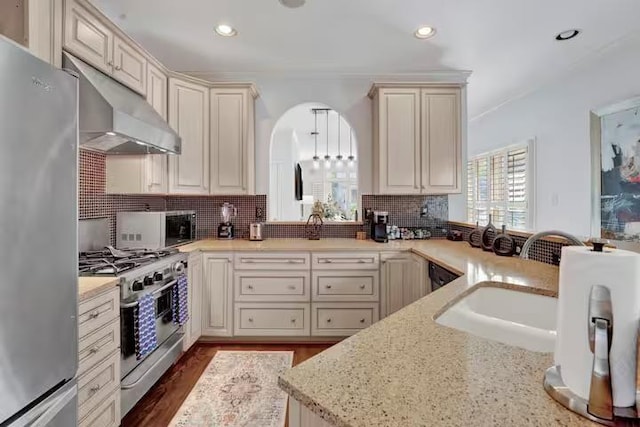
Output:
[[97, 312], [98, 383], [272, 261], [346, 286], [96, 346], [106, 414], [271, 319], [345, 261], [272, 286], [336, 319]]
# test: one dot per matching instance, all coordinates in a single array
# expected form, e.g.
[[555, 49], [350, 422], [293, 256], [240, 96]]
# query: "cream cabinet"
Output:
[[217, 295], [142, 174], [232, 141], [189, 117], [193, 327], [402, 281], [441, 140], [417, 139], [88, 35]]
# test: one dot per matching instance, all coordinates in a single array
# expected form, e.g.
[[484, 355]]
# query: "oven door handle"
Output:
[[167, 286]]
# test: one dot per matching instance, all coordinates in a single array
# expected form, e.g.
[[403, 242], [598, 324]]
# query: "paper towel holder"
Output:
[[599, 407]]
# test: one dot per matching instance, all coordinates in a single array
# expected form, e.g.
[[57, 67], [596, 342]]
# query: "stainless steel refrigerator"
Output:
[[38, 241]]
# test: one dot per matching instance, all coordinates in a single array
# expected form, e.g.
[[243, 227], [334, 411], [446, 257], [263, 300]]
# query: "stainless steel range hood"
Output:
[[116, 120]]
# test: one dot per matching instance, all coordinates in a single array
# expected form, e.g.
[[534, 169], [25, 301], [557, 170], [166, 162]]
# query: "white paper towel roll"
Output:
[[618, 270]]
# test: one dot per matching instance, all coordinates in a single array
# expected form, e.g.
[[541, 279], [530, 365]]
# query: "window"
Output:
[[500, 184]]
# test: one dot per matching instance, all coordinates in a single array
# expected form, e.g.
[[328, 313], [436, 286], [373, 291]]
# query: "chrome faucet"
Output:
[[524, 253]]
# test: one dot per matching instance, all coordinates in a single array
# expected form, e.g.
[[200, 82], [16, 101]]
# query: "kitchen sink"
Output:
[[511, 317]]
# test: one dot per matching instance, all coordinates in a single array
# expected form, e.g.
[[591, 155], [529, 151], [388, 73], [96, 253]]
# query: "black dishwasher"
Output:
[[440, 276]]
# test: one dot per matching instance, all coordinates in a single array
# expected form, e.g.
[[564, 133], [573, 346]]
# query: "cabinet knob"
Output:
[[327, 261], [94, 389], [362, 286], [361, 261], [118, 67], [328, 286], [293, 320], [292, 287], [361, 320], [110, 63], [250, 287], [250, 319], [94, 350], [94, 314], [329, 320]]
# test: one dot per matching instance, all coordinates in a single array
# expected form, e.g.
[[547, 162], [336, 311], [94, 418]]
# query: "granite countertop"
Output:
[[407, 370], [89, 287]]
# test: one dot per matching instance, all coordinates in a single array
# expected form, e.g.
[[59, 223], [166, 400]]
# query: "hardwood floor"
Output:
[[160, 404]]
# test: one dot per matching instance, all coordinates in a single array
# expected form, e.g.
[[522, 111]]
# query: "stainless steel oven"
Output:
[[155, 230]]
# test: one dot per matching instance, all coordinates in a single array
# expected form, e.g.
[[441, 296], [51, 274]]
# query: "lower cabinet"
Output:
[[402, 277], [193, 327], [99, 360], [342, 319], [271, 319], [217, 295]]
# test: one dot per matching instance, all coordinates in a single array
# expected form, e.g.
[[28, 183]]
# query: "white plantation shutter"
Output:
[[498, 183]]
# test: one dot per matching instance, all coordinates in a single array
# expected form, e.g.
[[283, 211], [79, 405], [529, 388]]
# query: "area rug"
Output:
[[238, 389]]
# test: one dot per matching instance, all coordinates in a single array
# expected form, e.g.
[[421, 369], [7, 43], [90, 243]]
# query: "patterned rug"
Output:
[[239, 389]]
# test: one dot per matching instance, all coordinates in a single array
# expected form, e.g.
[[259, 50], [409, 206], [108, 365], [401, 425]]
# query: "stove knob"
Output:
[[178, 267], [157, 277], [137, 286], [148, 281]]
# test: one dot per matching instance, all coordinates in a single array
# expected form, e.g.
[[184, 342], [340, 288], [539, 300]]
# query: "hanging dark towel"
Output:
[[180, 301], [144, 326]]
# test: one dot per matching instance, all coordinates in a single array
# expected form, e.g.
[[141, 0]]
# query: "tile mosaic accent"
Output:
[[543, 250], [430, 212], [208, 211], [297, 231]]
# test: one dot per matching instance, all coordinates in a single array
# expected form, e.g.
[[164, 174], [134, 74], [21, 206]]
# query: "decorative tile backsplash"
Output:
[[430, 212]]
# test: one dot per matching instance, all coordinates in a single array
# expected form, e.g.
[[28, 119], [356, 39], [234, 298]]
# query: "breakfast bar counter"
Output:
[[407, 370]]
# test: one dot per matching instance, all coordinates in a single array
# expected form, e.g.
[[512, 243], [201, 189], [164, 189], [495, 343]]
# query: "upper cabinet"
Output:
[[92, 40], [35, 24], [417, 139], [232, 141], [189, 116]]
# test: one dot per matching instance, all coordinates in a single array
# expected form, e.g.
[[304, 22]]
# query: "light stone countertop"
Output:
[[89, 287]]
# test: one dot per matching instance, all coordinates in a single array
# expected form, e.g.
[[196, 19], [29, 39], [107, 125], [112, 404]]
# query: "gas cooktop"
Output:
[[113, 262]]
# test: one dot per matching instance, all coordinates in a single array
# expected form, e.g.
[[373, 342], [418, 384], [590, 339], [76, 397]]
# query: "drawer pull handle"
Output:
[[328, 286], [94, 389], [250, 287], [362, 286], [292, 287], [94, 314], [327, 261], [292, 261], [249, 261], [94, 350], [361, 261], [250, 319], [293, 320], [329, 320], [361, 320]]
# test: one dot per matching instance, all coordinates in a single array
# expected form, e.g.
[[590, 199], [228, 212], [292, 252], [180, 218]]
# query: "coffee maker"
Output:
[[226, 228], [379, 226]]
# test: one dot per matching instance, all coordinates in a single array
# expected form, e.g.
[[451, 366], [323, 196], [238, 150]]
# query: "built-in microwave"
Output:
[[155, 230]]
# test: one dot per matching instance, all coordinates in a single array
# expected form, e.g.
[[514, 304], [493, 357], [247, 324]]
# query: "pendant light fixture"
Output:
[[327, 157], [351, 157], [339, 156], [316, 159]]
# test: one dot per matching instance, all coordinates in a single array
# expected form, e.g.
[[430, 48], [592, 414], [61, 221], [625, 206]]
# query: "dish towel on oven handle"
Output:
[[144, 326], [180, 301]]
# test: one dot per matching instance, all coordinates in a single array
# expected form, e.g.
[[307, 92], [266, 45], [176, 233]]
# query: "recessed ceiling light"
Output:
[[567, 35], [226, 30], [425, 32], [292, 3]]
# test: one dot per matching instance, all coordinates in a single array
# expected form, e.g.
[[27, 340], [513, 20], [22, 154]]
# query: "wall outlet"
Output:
[[259, 213]]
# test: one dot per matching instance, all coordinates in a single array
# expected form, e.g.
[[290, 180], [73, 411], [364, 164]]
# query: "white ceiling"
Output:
[[508, 44]]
